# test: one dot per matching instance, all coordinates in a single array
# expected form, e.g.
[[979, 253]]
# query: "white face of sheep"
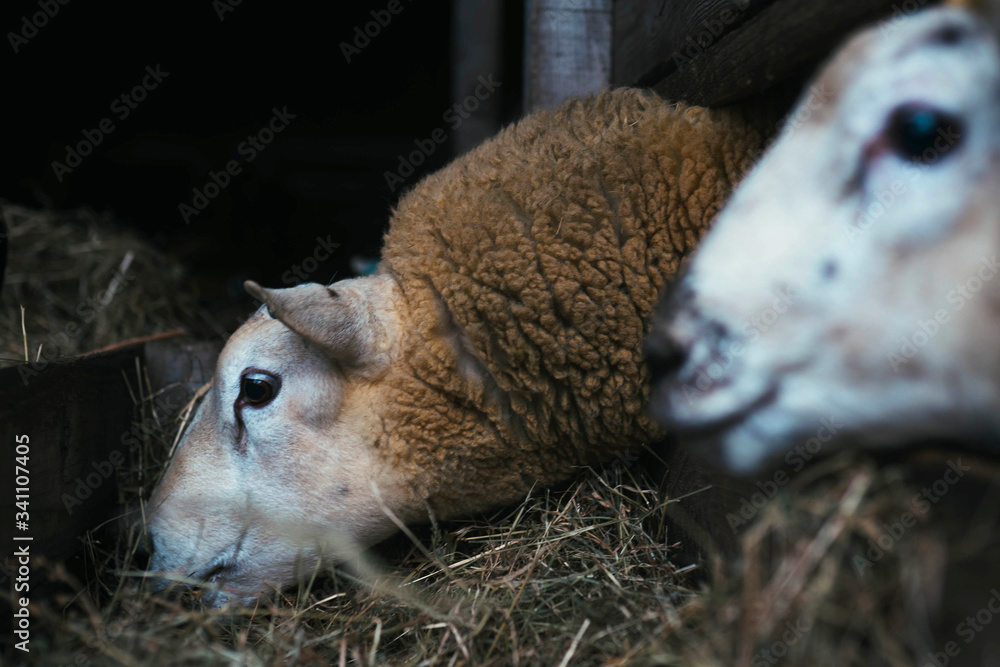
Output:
[[849, 290], [279, 465]]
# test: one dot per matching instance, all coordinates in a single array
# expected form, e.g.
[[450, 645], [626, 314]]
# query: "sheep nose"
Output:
[[664, 356], [666, 353]]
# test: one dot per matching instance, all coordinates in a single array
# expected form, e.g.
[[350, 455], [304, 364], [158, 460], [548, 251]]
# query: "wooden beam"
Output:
[[651, 37], [715, 52], [78, 414]]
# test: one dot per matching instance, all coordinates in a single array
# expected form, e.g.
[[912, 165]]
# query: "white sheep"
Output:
[[849, 290]]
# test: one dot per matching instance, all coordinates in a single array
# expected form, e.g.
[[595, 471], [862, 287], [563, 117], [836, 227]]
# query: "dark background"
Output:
[[322, 176]]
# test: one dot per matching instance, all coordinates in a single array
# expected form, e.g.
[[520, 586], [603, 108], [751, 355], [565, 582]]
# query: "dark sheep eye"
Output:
[[258, 389], [923, 135]]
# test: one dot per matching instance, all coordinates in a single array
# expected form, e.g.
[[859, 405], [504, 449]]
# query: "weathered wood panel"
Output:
[[653, 37], [717, 52], [78, 414]]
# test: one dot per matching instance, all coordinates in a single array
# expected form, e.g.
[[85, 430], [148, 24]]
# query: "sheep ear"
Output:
[[344, 319]]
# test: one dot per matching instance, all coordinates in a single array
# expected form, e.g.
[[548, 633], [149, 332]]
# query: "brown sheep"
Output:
[[499, 346]]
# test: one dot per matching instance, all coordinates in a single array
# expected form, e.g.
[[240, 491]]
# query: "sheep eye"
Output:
[[258, 389], [923, 135]]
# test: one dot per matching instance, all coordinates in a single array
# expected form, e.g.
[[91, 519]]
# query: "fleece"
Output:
[[531, 267]]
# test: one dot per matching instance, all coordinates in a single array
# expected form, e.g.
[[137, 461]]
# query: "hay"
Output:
[[583, 576], [85, 283], [586, 575]]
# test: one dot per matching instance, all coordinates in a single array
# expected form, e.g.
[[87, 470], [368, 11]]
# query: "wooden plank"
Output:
[[77, 414], [653, 37], [567, 50], [781, 39]]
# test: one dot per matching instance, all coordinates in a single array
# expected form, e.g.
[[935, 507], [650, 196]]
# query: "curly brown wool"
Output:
[[533, 264]]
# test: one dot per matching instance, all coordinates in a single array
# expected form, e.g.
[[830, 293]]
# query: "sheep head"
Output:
[[279, 466], [849, 289]]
